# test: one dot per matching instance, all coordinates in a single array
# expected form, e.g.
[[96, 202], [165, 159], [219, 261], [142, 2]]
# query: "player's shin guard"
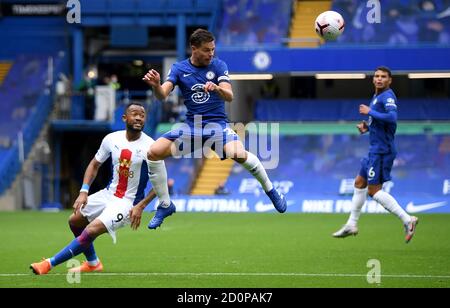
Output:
[[358, 200], [253, 164], [90, 254], [77, 246], [390, 204], [158, 178]]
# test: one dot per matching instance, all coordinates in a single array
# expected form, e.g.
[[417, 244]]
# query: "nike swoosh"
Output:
[[411, 208], [186, 75], [261, 207]]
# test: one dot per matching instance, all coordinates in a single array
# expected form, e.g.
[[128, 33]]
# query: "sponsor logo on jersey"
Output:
[[199, 96], [124, 173], [391, 102]]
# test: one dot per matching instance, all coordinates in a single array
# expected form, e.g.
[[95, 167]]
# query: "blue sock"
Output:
[[77, 246], [90, 254]]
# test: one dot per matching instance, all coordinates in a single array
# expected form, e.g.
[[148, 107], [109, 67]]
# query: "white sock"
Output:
[[93, 263], [158, 177], [390, 204], [358, 200], [255, 167], [50, 262]]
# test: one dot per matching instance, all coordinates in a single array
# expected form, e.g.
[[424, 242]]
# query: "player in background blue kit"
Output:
[[376, 168], [205, 86]]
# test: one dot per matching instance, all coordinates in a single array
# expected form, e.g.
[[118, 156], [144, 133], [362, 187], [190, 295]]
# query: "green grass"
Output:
[[235, 250]]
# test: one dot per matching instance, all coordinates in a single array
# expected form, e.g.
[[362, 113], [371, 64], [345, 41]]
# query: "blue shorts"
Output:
[[192, 141], [376, 168]]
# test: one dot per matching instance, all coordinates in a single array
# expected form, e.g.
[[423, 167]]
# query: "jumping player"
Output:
[[205, 86]]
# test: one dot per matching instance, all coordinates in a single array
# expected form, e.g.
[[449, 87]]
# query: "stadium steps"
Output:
[[16, 198], [25, 191], [302, 32], [213, 172], [4, 69]]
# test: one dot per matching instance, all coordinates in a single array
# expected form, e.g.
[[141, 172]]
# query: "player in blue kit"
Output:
[[376, 168], [205, 86]]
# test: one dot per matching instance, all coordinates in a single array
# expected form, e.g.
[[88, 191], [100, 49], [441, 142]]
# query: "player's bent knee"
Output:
[[155, 154], [238, 155], [151, 156], [95, 229], [360, 182], [239, 160], [77, 220], [372, 190]]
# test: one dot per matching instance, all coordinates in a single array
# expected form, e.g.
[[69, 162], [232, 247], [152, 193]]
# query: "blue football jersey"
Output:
[[383, 122], [191, 80]]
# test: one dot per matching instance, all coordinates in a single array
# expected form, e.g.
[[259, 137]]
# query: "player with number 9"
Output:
[[120, 203]]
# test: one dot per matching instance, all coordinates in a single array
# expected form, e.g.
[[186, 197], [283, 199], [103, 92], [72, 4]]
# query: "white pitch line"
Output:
[[405, 276]]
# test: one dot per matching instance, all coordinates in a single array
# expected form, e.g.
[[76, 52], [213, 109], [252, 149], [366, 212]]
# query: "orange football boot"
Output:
[[86, 268], [41, 268]]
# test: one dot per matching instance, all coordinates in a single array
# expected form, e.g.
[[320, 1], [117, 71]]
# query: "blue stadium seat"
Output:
[[98, 6], [401, 22], [254, 22]]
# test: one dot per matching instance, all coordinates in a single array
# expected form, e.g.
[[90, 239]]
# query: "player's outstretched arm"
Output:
[[89, 176], [153, 79], [136, 211]]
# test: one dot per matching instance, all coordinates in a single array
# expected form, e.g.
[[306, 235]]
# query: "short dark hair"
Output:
[[133, 104], [200, 36], [384, 69]]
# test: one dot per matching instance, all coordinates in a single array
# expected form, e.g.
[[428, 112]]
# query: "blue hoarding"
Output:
[[337, 59]]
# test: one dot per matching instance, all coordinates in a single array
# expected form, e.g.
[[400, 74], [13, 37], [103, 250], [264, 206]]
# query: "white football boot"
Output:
[[410, 228], [345, 231]]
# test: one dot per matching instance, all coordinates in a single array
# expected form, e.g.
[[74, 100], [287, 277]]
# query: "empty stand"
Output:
[[302, 32], [214, 172], [4, 69], [24, 108], [400, 23], [254, 22]]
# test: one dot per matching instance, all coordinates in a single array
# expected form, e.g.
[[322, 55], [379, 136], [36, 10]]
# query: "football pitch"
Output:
[[215, 250]]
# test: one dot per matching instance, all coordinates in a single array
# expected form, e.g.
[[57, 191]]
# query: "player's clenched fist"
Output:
[[363, 127], [152, 78], [210, 86], [363, 109]]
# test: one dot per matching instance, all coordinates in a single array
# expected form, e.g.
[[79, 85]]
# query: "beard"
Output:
[[130, 127]]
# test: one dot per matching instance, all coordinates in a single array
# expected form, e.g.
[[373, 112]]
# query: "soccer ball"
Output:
[[329, 25]]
